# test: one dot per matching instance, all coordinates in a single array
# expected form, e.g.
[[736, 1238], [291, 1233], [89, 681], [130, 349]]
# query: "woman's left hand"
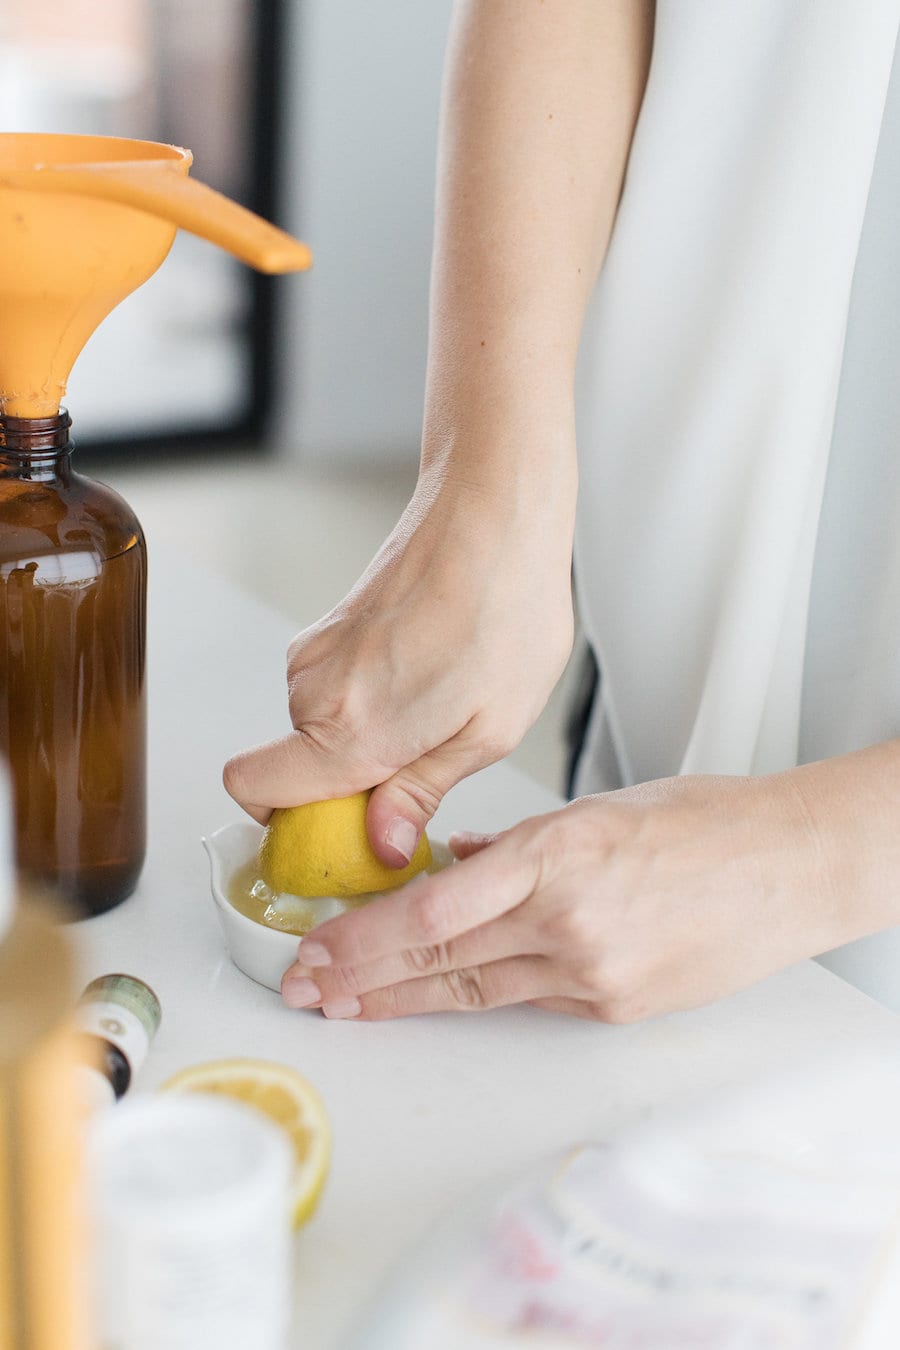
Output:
[[616, 907]]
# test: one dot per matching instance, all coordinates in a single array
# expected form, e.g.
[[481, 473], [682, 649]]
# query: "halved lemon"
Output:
[[285, 1097], [323, 849]]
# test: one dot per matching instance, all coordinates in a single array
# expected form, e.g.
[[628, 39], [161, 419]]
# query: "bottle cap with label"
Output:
[[117, 1016]]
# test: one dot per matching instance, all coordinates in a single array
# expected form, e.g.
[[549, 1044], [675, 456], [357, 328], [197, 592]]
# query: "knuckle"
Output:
[[234, 779], [465, 989], [431, 916], [425, 797], [305, 700], [497, 745], [381, 1005], [572, 927], [428, 960], [497, 740], [349, 950], [296, 662], [616, 1009], [615, 995], [313, 640], [328, 725], [551, 838], [490, 735], [337, 981], [300, 659], [591, 974], [330, 705]]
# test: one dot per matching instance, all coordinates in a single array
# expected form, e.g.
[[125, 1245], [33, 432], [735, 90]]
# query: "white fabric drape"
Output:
[[742, 351]]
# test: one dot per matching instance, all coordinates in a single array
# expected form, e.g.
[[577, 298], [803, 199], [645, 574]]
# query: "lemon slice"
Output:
[[285, 1097]]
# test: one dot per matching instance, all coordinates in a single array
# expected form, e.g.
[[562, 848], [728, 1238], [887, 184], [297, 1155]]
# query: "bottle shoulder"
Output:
[[65, 514]]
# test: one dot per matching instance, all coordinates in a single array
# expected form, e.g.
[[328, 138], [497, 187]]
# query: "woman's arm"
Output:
[[630, 904], [447, 648], [539, 107]]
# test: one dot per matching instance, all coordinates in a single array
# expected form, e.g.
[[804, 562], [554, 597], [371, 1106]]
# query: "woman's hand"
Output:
[[626, 905], [446, 650], [437, 662]]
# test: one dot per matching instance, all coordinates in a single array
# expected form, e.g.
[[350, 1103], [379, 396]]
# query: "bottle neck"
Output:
[[35, 447]]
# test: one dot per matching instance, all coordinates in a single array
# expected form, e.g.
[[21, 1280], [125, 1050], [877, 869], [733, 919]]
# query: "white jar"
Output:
[[192, 1201]]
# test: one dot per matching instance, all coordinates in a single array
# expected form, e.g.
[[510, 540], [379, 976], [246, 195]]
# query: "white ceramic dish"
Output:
[[261, 952]]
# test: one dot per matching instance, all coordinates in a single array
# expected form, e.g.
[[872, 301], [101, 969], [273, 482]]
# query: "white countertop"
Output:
[[424, 1110]]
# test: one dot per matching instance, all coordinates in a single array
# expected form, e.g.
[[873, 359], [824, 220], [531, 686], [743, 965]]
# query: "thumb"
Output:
[[401, 806]]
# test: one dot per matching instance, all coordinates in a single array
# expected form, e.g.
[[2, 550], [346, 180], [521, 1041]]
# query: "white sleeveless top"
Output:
[[738, 543]]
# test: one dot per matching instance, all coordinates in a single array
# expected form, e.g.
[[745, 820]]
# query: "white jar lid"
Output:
[[188, 1158], [192, 1211]]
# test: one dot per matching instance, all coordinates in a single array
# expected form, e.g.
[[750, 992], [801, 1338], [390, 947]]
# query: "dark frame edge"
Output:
[[248, 431]]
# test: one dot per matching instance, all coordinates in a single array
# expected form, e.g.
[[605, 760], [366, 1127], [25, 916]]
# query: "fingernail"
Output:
[[301, 992], [403, 836], [312, 954], [342, 1007], [468, 837]]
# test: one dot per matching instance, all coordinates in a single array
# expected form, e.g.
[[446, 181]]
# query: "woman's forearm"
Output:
[[539, 107], [852, 804]]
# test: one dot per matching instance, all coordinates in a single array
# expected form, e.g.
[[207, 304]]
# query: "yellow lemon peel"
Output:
[[322, 849]]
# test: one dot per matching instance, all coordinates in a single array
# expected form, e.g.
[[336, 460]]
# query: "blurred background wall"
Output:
[[357, 88], [361, 120]]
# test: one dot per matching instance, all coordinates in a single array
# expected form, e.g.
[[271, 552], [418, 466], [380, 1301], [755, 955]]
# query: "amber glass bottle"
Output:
[[73, 574]]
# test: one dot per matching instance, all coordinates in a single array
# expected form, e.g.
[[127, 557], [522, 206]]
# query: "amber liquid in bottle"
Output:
[[73, 572]]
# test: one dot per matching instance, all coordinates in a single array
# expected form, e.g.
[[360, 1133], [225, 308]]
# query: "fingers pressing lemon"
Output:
[[322, 848], [286, 1098]]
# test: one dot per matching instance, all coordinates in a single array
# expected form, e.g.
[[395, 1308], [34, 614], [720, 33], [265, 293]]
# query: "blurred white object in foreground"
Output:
[[765, 1220], [192, 1197]]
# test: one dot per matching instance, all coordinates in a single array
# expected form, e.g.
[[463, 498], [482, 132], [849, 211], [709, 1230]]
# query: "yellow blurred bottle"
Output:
[[43, 1280]]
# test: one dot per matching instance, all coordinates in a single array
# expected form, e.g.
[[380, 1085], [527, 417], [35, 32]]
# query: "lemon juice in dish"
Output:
[[297, 914], [315, 861]]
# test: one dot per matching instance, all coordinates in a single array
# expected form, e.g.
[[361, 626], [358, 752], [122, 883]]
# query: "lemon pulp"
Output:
[[250, 896]]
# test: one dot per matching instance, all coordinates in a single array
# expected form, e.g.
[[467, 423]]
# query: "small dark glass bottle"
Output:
[[117, 1017], [73, 575]]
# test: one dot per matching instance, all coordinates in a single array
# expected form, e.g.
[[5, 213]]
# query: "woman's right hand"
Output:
[[445, 651], [435, 664]]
